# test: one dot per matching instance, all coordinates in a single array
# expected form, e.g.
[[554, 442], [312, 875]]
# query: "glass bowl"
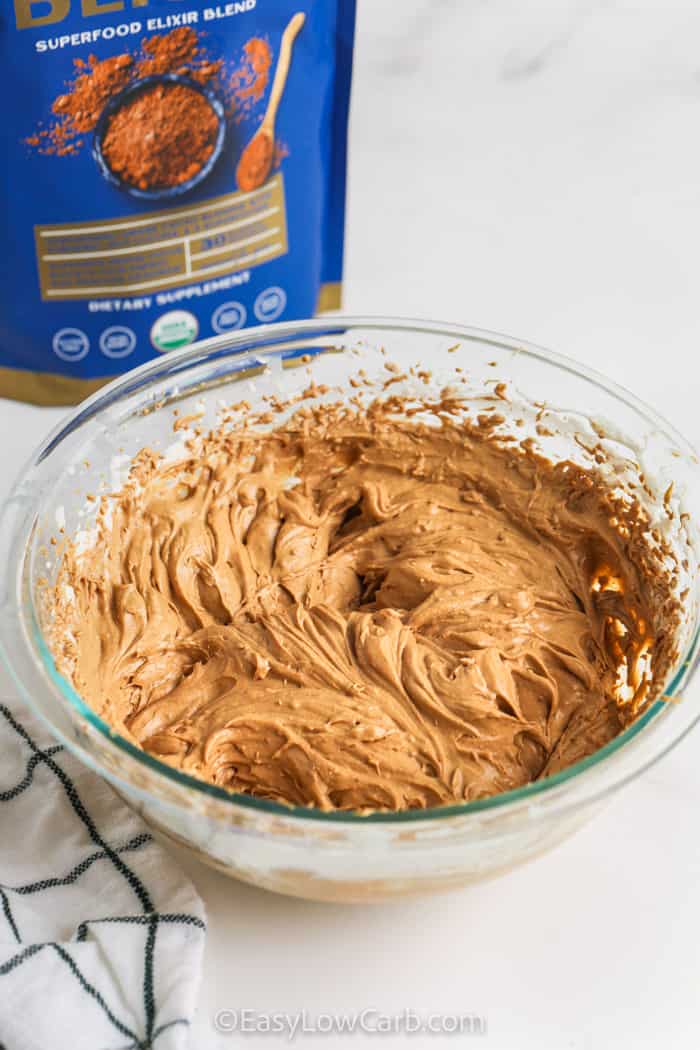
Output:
[[301, 851]]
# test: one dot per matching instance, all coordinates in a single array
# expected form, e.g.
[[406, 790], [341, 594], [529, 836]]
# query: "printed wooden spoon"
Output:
[[256, 159]]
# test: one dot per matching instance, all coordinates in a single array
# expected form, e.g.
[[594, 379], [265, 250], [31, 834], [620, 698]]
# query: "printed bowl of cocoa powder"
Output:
[[160, 137]]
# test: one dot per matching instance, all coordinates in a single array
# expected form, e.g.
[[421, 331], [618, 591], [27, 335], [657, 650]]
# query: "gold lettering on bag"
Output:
[[26, 19], [99, 7]]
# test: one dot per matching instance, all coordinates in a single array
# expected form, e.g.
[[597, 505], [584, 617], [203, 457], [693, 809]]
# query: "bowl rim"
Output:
[[265, 338], [115, 103]]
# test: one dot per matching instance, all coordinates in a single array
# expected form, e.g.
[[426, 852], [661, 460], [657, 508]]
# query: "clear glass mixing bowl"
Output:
[[341, 856]]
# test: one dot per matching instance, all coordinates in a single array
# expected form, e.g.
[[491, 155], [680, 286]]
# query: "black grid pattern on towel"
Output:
[[104, 852]]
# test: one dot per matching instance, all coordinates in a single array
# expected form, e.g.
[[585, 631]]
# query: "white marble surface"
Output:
[[534, 168]]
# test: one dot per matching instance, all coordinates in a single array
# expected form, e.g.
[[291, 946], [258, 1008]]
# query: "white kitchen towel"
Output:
[[101, 935]]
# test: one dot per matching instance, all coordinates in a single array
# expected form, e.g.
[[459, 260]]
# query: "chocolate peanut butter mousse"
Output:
[[362, 608]]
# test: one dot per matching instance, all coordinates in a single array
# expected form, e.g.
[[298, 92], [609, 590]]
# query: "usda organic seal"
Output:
[[174, 329]]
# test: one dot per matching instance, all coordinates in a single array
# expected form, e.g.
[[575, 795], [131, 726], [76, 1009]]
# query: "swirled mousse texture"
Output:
[[361, 610]]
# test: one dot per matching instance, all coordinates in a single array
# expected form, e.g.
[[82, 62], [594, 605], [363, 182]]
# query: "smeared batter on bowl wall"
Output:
[[364, 609]]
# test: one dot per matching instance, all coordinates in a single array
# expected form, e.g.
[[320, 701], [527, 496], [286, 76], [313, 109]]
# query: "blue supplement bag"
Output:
[[174, 170]]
